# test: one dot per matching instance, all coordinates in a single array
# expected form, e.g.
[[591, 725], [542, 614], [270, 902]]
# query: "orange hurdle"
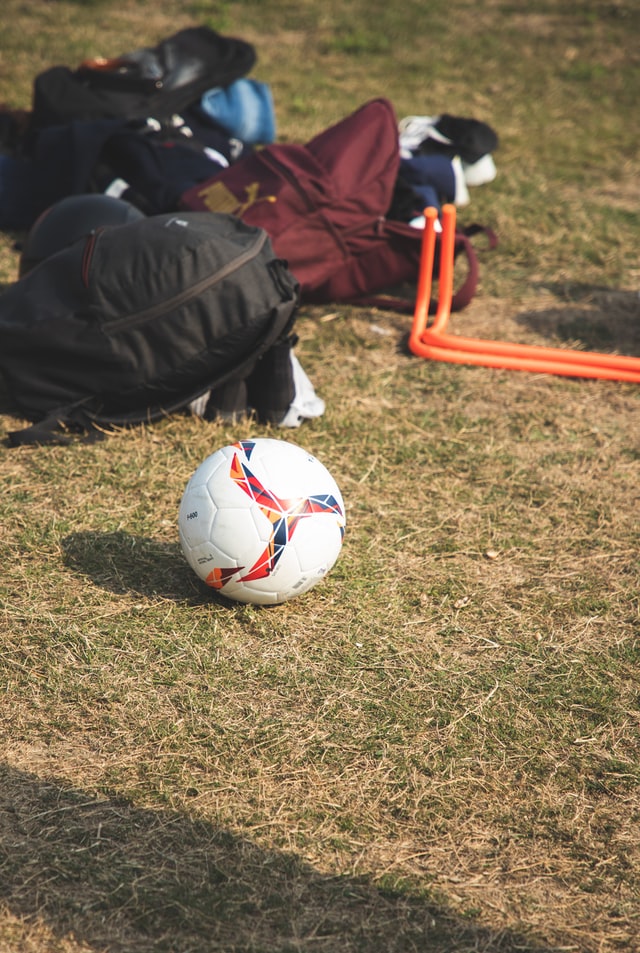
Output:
[[435, 343]]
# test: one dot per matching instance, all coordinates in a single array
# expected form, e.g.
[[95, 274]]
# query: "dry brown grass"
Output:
[[438, 747]]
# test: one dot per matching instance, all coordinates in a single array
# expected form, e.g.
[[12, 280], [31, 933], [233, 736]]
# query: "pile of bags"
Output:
[[173, 147]]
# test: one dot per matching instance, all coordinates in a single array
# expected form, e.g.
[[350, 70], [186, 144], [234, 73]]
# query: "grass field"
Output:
[[437, 748]]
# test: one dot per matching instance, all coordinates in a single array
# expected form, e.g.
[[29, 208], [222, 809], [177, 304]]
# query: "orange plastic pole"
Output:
[[585, 360], [445, 277], [434, 343], [425, 274], [446, 351]]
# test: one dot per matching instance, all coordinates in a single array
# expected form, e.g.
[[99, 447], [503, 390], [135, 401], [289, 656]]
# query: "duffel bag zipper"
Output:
[[140, 317]]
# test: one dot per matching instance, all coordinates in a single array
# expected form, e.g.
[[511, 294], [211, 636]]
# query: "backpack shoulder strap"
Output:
[[462, 297], [61, 426]]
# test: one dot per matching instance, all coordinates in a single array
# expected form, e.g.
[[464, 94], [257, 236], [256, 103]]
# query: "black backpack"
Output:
[[152, 81], [137, 321]]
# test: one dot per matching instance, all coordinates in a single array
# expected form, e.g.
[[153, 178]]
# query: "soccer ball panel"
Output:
[[318, 544], [231, 525], [196, 515]]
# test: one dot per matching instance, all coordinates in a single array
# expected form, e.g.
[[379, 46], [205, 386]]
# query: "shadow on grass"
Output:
[[121, 562], [596, 318], [121, 878]]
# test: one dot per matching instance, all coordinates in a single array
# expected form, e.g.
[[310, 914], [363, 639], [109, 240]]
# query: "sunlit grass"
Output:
[[437, 747]]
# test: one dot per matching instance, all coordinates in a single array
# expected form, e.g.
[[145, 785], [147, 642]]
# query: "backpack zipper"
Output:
[[272, 162], [140, 317]]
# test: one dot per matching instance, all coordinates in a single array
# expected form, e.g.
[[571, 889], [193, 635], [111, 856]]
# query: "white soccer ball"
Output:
[[261, 521]]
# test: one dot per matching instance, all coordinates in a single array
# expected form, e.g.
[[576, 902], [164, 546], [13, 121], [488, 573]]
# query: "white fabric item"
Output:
[[198, 406], [117, 188], [305, 403], [216, 156], [462, 193], [413, 130], [480, 172], [420, 221]]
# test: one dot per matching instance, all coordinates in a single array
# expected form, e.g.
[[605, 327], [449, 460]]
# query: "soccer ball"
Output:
[[261, 521]]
